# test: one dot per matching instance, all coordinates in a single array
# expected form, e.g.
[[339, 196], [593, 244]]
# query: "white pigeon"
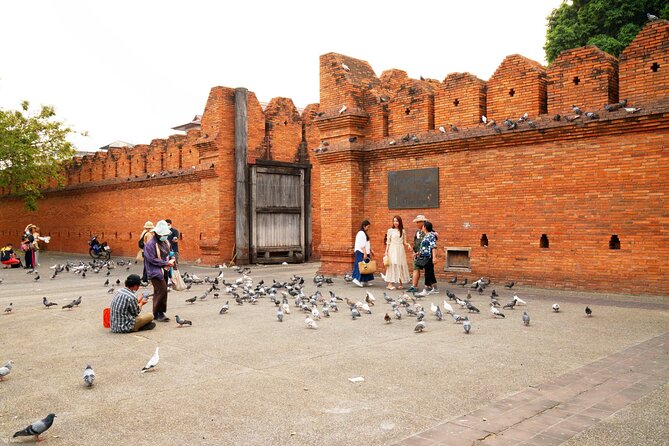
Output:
[[89, 376], [448, 308], [345, 67], [342, 109], [366, 308], [484, 119], [433, 308], [442, 129], [495, 312], [6, 369], [518, 300], [310, 323], [152, 362], [315, 313], [556, 307], [632, 109], [370, 298], [286, 308]]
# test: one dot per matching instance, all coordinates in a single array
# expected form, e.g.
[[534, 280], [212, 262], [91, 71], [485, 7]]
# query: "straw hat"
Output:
[[148, 225], [419, 217]]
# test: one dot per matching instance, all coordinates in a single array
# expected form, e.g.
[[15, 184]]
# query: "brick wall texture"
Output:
[[577, 180]]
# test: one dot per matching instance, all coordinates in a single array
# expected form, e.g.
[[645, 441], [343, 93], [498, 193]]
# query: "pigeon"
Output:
[[48, 304], [152, 362], [510, 285], [398, 313], [342, 109], [453, 280], [588, 312], [467, 325], [69, 306], [191, 300], [632, 109], [387, 318], [279, 314], [556, 307], [310, 323], [370, 299], [420, 326], [484, 119], [616, 106], [518, 300], [576, 110], [182, 322], [454, 128], [509, 306], [448, 308], [464, 282], [442, 129], [225, 308], [77, 301], [591, 115], [433, 308], [526, 318], [438, 314], [557, 117], [6, 369], [345, 67], [354, 312], [89, 376], [472, 309], [37, 428], [9, 308], [496, 129], [110, 290], [651, 17], [495, 312]]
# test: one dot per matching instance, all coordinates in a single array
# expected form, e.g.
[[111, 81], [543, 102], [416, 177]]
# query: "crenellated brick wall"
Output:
[[583, 183]]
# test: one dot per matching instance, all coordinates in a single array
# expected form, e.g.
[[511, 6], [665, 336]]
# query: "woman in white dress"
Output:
[[397, 271]]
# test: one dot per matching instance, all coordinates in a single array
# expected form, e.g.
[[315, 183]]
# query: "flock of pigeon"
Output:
[[315, 307]]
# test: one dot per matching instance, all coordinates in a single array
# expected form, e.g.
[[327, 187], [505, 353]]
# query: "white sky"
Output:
[[131, 70]]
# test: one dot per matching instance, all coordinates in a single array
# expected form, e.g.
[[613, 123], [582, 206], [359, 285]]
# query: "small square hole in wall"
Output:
[[484, 241], [456, 102], [655, 67], [576, 80], [512, 92], [614, 242]]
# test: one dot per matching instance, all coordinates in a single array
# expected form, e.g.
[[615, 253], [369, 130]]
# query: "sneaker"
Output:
[[423, 293], [357, 282], [161, 318], [144, 283], [434, 290], [149, 326], [412, 289]]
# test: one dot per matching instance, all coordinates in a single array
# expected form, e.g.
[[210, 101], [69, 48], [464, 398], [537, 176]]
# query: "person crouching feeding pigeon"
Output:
[[125, 314], [157, 264]]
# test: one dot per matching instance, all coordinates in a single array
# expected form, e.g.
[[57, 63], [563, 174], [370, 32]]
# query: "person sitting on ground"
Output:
[[125, 308], [8, 257]]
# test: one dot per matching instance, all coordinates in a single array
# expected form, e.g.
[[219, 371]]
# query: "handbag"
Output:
[[368, 267], [178, 283], [386, 261], [421, 261]]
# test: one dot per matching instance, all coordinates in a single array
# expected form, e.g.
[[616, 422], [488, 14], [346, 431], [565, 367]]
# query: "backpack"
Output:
[[141, 241]]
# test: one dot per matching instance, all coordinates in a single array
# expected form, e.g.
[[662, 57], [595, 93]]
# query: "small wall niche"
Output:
[[512, 92], [614, 242], [543, 242], [655, 67], [576, 80], [484, 241], [456, 102], [457, 259]]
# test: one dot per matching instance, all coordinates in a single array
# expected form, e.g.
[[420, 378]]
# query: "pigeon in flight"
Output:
[[510, 285], [467, 325], [6, 369], [526, 318], [89, 376], [152, 362], [37, 428], [48, 304], [588, 312], [182, 322]]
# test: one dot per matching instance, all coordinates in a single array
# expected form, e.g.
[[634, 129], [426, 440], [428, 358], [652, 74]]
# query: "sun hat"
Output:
[[419, 217], [148, 225], [162, 228]]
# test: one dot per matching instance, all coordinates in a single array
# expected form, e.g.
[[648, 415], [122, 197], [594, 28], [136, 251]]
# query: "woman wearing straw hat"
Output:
[[157, 262], [146, 235]]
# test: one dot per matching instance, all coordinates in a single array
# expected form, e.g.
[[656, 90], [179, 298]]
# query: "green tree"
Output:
[[609, 24], [32, 149]]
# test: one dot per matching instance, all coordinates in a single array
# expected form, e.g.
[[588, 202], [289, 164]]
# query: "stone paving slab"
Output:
[[560, 409]]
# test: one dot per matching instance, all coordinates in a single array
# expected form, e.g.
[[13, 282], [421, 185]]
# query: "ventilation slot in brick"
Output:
[[614, 242], [456, 102], [484, 241], [655, 67], [576, 80], [543, 243], [457, 259], [407, 111], [512, 92]]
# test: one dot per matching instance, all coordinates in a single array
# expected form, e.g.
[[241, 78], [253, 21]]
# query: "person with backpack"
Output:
[[147, 234], [8, 257]]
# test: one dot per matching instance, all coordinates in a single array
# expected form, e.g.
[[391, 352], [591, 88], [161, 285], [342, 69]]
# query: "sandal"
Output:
[[400, 287], [390, 287]]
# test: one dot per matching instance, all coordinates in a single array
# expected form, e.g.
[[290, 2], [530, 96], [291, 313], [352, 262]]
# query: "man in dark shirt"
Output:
[[125, 308], [174, 239]]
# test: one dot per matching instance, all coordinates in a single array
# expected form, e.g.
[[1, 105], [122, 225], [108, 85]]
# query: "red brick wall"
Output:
[[460, 100], [285, 129], [638, 82], [518, 86], [586, 77]]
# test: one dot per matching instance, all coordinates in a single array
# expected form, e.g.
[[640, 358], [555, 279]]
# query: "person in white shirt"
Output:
[[363, 251]]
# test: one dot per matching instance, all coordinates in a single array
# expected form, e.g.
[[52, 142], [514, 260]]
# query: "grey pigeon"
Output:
[[6, 369], [576, 110], [467, 325], [152, 362], [48, 304], [279, 315], [182, 322], [588, 311], [191, 300], [9, 308], [37, 428], [77, 301], [526, 318], [651, 17], [225, 308], [89, 376], [354, 312], [69, 306], [420, 326], [438, 314]]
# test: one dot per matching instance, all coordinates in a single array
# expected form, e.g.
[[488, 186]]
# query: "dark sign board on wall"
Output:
[[415, 188]]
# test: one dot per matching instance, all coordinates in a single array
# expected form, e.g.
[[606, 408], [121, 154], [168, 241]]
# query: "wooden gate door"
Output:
[[278, 217]]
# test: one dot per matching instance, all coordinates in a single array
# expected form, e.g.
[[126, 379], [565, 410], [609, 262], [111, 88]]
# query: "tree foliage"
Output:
[[609, 24], [32, 148]]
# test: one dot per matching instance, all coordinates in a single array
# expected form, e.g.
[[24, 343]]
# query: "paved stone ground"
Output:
[[243, 378]]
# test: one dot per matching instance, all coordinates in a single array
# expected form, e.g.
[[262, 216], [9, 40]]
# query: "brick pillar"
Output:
[[341, 184]]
